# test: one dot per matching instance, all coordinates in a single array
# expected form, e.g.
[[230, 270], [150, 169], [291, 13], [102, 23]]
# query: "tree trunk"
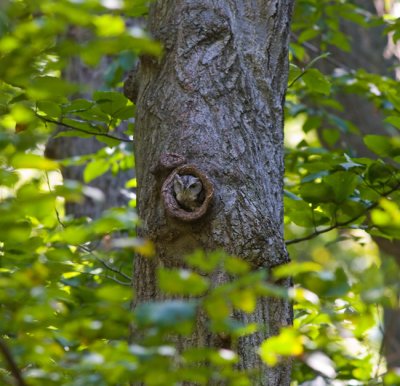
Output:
[[216, 99]]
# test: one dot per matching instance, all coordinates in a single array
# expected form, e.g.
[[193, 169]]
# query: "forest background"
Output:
[[67, 239]]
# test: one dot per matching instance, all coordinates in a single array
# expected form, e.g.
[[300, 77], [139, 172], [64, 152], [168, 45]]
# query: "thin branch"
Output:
[[127, 284], [382, 345], [106, 265], [112, 269], [307, 67], [99, 134], [55, 207], [113, 278], [296, 79], [343, 223], [330, 59], [15, 371]]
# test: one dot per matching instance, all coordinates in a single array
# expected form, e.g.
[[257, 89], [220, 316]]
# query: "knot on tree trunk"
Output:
[[168, 162], [131, 85], [173, 208]]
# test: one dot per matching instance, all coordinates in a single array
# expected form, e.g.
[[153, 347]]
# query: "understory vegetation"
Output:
[[65, 282]]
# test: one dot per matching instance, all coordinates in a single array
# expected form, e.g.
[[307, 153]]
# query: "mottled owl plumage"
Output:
[[188, 191]]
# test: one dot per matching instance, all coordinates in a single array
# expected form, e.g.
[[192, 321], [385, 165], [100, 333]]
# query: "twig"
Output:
[[99, 134], [106, 265], [127, 284], [330, 59], [15, 371], [382, 345], [112, 269], [113, 278], [55, 207], [307, 67], [343, 223]]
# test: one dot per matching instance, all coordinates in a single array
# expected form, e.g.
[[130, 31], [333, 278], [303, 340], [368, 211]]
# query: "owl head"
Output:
[[187, 189]]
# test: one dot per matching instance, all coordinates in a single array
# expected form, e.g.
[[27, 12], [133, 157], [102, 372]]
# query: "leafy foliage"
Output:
[[337, 200], [65, 282]]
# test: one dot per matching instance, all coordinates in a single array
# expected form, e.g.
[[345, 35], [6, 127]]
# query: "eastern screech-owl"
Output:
[[188, 191]]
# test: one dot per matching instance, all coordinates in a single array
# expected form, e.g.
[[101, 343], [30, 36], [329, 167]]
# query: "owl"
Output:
[[188, 191]]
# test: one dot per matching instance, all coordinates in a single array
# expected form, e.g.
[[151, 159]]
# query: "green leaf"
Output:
[[350, 209], [343, 184], [392, 378], [288, 343], [294, 73], [330, 136], [312, 122], [50, 88], [75, 235], [95, 169], [109, 25], [387, 217], [379, 173], [22, 113], [393, 120], [217, 307], [340, 40], [110, 142], [244, 299], [317, 192], [182, 282], [350, 163], [382, 145], [298, 51], [33, 161], [49, 108], [115, 293], [84, 128], [8, 178], [111, 102], [18, 232], [317, 82], [295, 268], [77, 105], [301, 214], [72, 133], [137, 8], [176, 315], [308, 34], [206, 262], [125, 112], [236, 266]]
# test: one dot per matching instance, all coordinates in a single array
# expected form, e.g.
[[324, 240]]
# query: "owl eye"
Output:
[[196, 187], [178, 184]]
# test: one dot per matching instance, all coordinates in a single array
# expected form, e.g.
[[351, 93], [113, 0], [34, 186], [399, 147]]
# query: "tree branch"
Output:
[[112, 269], [330, 59], [99, 134], [343, 223], [307, 67], [105, 264], [15, 371]]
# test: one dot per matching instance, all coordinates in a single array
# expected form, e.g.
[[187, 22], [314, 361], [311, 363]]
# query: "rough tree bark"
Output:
[[216, 98], [368, 47]]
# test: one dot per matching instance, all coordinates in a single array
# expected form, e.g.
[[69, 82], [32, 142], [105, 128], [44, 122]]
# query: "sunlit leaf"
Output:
[[182, 282], [33, 161], [95, 169], [316, 81], [288, 343]]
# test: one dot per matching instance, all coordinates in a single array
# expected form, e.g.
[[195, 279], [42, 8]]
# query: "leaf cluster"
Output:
[[338, 198], [65, 296]]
